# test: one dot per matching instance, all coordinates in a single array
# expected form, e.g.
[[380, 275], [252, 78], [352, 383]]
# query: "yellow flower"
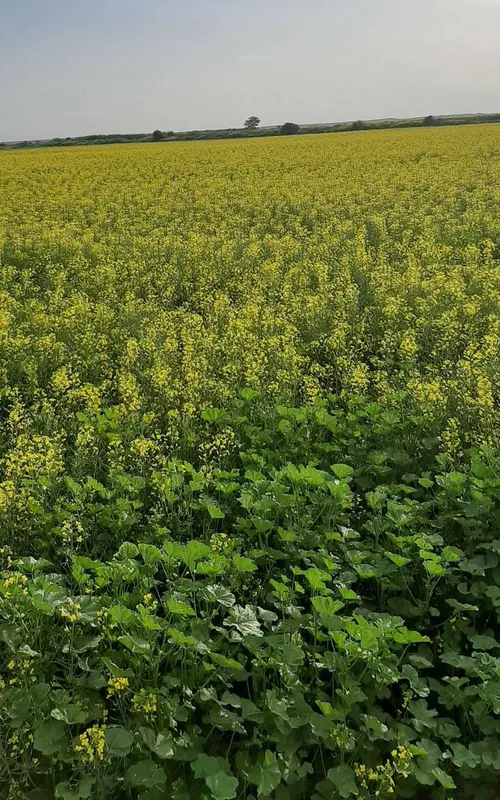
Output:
[[117, 685], [91, 744]]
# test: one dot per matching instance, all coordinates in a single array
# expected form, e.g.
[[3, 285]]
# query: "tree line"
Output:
[[251, 128]]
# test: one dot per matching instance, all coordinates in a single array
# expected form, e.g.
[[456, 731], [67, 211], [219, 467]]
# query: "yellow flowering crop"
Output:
[[161, 279]]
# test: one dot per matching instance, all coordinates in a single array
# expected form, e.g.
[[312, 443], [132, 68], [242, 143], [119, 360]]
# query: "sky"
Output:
[[70, 68]]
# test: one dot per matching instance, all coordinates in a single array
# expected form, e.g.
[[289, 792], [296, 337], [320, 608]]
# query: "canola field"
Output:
[[249, 468]]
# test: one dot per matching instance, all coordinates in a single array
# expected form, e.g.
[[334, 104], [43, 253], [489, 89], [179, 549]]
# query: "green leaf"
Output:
[[482, 642], [347, 594], [122, 615], [219, 594], [462, 606], [243, 564], [317, 578], [269, 775], [115, 671], [444, 779], [222, 786], [71, 714], [462, 756], [404, 636], [215, 511], [85, 787], [214, 415], [160, 744], [326, 606], [65, 792], [48, 737], [399, 561], [245, 620], [204, 766], [178, 607], [342, 470], [119, 741], [193, 552], [136, 644], [452, 554], [127, 550], [248, 394], [150, 554], [163, 746], [145, 775], [434, 568], [343, 779], [229, 663]]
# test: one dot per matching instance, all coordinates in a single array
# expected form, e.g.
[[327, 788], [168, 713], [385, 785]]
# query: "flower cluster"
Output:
[[91, 744]]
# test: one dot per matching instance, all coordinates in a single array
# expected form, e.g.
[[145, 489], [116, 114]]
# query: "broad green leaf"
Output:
[[215, 511], [164, 746], [452, 554], [222, 786], [85, 787], [136, 644], [434, 568], [160, 744], [243, 564], [145, 775], [344, 780], [119, 741], [219, 594], [244, 619], [399, 561], [248, 394], [193, 552], [127, 550], [65, 792], [342, 470], [444, 779], [204, 766], [317, 578], [483, 642], [229, 663], [326, 606], [347, 594], [115, 671], [268, 775], [404, 636], [122, 615], [214, 415], [178, 607], [150, 554], [48, 737], [71, 714]]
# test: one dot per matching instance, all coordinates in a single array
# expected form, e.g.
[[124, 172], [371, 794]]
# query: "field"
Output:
[[250, 469]]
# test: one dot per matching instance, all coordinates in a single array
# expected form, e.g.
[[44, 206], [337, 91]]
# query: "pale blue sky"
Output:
[[70, 67]]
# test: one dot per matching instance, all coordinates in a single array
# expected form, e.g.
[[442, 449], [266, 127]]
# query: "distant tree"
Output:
[[157, 136], [289, 129], [429, 121], [252, 123], [358, 125]]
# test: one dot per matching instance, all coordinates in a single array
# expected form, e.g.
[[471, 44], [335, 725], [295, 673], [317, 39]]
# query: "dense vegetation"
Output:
[[249, 469]]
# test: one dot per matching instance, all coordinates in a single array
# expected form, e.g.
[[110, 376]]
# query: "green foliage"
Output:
[[252, 123], [332, 632], [289, 129]]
